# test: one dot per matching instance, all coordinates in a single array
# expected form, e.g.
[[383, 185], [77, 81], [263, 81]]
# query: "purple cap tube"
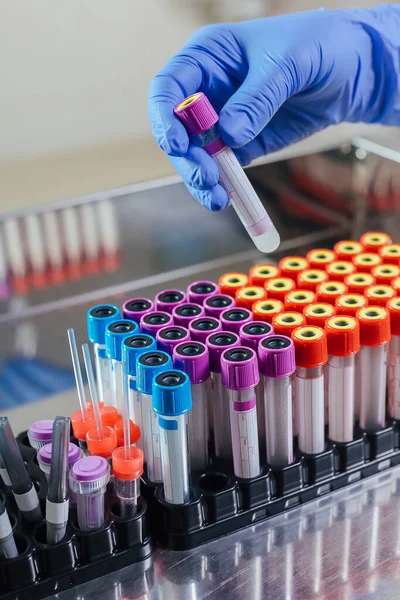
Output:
[[234, 318], [40, 433], [215, 305], [88, 479], [168, 299], [169, 337], [200, 290], [202, 327], [44, 457], [150, 323], [186, 312], [135, 308], [251, 333]]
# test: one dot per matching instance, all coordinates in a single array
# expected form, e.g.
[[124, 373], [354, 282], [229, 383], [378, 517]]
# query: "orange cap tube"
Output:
[[278, 287], [119, 430], [229, 283], [379, 295], [339, 269], [127, 469], [247, 296], [291, 266], [320, 257], [393, 306], [396, 285], [318, 312], [259, 274], [103, 446], [348, 304], [366, 261], [390, 254], [374, 325], [386, 273], [267, 309], [329, 291], [310, 346], [80, 427], [346, 249], [286, 322], [373, 241], [310, 278], [358, 282], [298, 299], [342, 335]]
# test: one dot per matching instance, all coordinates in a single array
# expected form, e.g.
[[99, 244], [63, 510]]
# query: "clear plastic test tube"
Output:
[[239, 375], [40, 433], [198, 291], [202, 327], [24, 491], [234, 318], [135, 308], [215, 305], [170, 336], [372, 365], [115, 334], [57, 502], [8, 547], [277, 365], [201, 122], [167, 300], [192, 358], [88, 479], [311, 355], [186, 312], [127, 470], [151, 322], [149, 364], [393, 307], [343, 339], [171, 402]]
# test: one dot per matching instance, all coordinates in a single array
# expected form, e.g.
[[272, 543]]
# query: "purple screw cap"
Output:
[[216, 304], [202, 327], [234, 318], [200, 290], [135, 308], [41, 431], [192, 358], [276, 356], [196, 113], [89, 468], [169, 337], [186, 312], [217, 343], [239, 368], [74, 454], [168, 299], [151, 322], [251, 333]]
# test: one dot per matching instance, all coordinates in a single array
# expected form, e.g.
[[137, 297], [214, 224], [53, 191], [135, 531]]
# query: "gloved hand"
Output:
[[275, 81]]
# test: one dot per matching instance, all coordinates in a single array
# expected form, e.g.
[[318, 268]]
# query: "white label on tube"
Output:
[[394, 377], [246, 459], [27, 502], [151, 439], [5, 526], [57, 512], [4, 476], [341, 397], [174, 451], [198, 430], [221, 419], [310, 413], [373, 369]]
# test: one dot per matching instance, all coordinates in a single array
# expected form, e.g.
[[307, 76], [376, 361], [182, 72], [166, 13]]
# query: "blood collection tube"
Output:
[[215, 305], [267, 309], [57, 502], [390, 254], [329, 291], [338, 270], [40, 433], [149, 364], [8, 547], [311, 355], [229, 283], [347, 249], [169, 337], [171, 402], [385, 273], [373, 241], [151, 322], [379, 294], [134, 308], [127, 471], [202, 327], [277, 365], [245, 297], [115, 334], [23, 490], [396, 285], [44, 457], [166, 300], [343, 339], [310, 278], [393, 307], [278, 288], [291, 266], [88, 479], [285, 323], [366, 261], [358, 282], [201, 122], [198, 291], [216, 344], [348, 304], [374, 338], [192, 358], [319, 258], [317, 313], [186, 312], [98, 317], [239, 375], [119, 430], [35, 250], [233, 319], [259, 274], [297, 300]]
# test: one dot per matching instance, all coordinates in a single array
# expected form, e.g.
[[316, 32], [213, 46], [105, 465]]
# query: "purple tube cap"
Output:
[[135, 308], [73, 454], [41, 431], [196, 113], [168, 299], [170, 336], [215, 304], [200, 290], [239, 368], [90, 468], [193, 359], [276, 356], [251, 333], [217, 343], [233, 319]]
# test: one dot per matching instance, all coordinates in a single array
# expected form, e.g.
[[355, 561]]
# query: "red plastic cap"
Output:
[[229, 283], [267, 309], [80, 427], [348, 304], [298, 299], [278, 287], [130, 468], [374, 325], [320, 257], [329, 291], [339, 269], [119, 430], [342, 335], [310, 346], [109, 415], [259, 274], [101, 446], [291, 266], [346, 249], [286, 322], [366, 261], [390, 254], [372, 241], [247, 296], [317, 313], [393, 306], [358, 282], [385, 273], [379, 294], [396, 285], [310, 278]]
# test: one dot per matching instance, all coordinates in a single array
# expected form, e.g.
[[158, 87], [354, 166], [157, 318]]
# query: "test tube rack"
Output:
[[41, 569]]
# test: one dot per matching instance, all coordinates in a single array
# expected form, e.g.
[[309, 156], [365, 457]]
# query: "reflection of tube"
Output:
[[229, 283], [88, 480], [278, 287], [135, 308], [338, 270], [169, 337], [127, 470], [8, 547], [259, 274], [267, 309], [379, 295], [215, 305], [198, 291], [319, 258], [245, 297], [348, 304], [202, 327], [297, 300], [371, 378], [151, 322], [393, 307], [171, 402], [239, 375], [366, 261], [311, 355], [385, 273], [373, 241], [310, 278], [329, 291], [186, 312], [167, 300], [57, 503], [115, 334], [200, 120], [40, 433], [234, 318], [358, 282]]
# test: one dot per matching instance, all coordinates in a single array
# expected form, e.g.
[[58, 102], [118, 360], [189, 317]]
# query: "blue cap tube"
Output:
[[116, 332], [98, 317]]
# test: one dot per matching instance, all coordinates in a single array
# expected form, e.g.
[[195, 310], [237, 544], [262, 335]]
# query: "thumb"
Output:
[[248, 110]]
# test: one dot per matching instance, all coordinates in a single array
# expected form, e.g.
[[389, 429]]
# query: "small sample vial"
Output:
[[116, 332], [393, 307], [329, 291], [88, 479], [366, 261], [170, 336], [291, 266], [127, 468], [151, 322], [390, 254], [40, 433], [347, 249], [379, 294], [285, 323], [278, 287], [358, 282], [373, 241], [385, 273]]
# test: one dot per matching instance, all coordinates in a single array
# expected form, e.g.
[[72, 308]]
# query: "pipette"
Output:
[[310, 278], [347, 249], [40, 433], [239, 375], [170, 336], [186, 312], [229, 283], [102, 439], [88, 479], [45, 453], [22, 487], [135, 432], [343, 339], [234, 318], [151, 322], [57, 503], [330, 290], [371, 366], [373, 241], [277, 365], [245, 297], [215, 305], [135, 308], [292, 266], [98, 317], [348, 304], [202, 327], [278, 287], [285, 323], [297, 300], [149, 364], [318, 312], [338, 270], [379, 294], [8, 547], [127, 470], [198, 291], [166, 300], [366, 261], [393, 307], [259, 274], [192, 358], [358, 282], [385, 273], [115, 334], [319, 258], [311, 355], [171, 402], [201, 122], [267, 309], [390, 254], [216, 344]]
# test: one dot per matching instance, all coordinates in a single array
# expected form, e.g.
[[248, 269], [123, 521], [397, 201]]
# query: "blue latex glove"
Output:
[[276, 81]]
